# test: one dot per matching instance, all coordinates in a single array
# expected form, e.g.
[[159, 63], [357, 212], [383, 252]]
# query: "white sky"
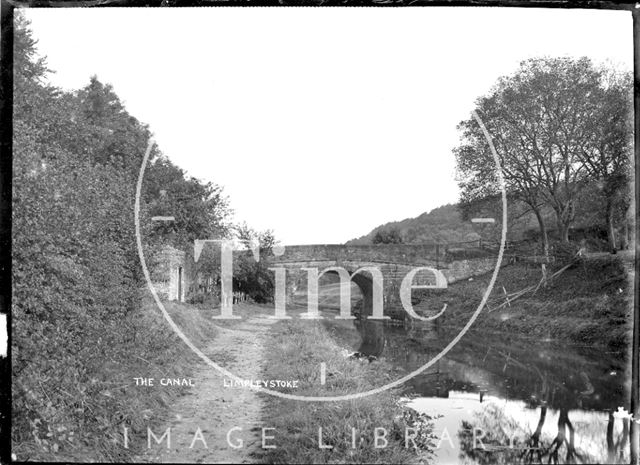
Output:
[[320, 123]]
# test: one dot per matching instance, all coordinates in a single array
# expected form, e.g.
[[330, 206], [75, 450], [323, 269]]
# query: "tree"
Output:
[[539, 119], [73, 281], [201, 210], [76, 275], [251, 276], [387, 236], [607, 158]]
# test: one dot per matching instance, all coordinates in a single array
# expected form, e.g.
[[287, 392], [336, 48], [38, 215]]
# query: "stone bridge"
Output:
[[394, 262]]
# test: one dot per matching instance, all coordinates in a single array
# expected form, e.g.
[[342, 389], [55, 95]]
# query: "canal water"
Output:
[[504, 399]]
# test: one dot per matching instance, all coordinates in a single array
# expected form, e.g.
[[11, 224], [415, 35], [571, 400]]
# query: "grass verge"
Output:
[[590, 303], [85, 417], [294, 352]]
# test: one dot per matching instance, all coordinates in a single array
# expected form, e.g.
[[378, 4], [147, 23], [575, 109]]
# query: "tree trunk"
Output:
[[563, 227], [564, 237], [564, 217], [611, 231], [543, 232], [626, 233]]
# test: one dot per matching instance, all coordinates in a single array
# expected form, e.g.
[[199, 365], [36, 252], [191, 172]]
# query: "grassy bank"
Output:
[[589, 303], [85, 416], [165, 355], [295, 352]]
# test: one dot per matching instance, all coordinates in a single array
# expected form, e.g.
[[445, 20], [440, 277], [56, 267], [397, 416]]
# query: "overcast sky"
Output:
[[320, 123]]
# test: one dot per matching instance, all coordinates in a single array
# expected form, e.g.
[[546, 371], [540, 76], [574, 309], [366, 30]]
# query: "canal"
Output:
[[524, 400]]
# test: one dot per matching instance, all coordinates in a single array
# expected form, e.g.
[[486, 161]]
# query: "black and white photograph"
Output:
[[401, 232]]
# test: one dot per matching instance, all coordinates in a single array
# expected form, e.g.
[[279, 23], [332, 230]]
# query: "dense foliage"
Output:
[[559, 125], [387, 236], [563, 132], [77, 279], [440, 225], [250, 276]]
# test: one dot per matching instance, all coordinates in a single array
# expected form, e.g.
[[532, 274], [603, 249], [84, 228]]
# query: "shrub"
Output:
[[564, 252], [204, 299]]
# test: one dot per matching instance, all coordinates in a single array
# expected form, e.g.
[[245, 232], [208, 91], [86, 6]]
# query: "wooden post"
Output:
[[506, 296]]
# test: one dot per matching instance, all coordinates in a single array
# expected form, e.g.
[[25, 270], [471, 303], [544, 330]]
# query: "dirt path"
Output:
[[215, 408]]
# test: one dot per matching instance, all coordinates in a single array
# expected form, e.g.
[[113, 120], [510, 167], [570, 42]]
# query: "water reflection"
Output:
[[533, 401], [515, 437]]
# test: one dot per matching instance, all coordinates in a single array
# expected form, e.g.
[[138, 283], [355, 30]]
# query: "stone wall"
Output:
[[454, 271], [390, 253], [169, 274], [393, 274]]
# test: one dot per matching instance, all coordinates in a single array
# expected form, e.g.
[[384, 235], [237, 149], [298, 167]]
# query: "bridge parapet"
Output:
[[393, 262], [410, 254]]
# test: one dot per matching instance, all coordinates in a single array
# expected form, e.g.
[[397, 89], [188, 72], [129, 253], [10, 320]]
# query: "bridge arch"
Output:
[[362, 275], [372, 338]]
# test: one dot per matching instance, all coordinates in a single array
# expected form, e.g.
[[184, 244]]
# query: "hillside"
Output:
[[442, 224], [448, 224]]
